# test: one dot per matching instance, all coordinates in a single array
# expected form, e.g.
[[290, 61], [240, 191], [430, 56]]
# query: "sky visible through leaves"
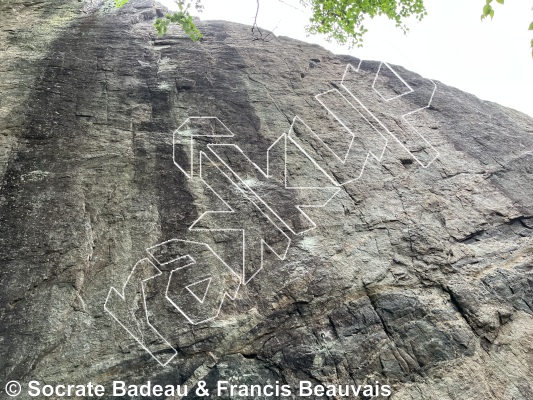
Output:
[[491, 58]]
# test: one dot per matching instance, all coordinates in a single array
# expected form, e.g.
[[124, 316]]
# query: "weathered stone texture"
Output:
[[416, 277]]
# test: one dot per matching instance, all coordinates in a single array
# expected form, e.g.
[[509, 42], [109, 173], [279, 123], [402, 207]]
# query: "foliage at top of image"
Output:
[[342, 20], [339, 20], [488, 11], [182, 17]]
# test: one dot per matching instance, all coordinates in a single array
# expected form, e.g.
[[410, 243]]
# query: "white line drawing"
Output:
[[298, 143], [374, 146], [424, 103], [280, 245], [183, 131], [200, 280], [140, 338], [314, 196], [410, 89], [377, 154], [178, 288], [204, 287]]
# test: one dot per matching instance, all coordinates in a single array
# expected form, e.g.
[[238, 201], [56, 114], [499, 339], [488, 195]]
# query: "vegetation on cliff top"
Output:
[[340, 20]]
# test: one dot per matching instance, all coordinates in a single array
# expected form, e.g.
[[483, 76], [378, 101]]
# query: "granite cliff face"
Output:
[[414, 271]]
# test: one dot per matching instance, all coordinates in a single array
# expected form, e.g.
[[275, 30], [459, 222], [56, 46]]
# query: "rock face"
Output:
[[414, 268]]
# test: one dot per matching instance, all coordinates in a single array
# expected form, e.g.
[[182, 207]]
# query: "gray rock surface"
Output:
[[417, 275]]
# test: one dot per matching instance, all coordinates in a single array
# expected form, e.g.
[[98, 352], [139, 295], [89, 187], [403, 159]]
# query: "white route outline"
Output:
[[193, 261], [398, 76], [343, 160], [231, 210], [437, 154], [188, 287], [123, 297], [249, 194], [330, 177], [185, 134], [286, 186]]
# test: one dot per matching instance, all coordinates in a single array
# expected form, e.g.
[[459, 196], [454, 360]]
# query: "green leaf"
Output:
[[531, 26], [500, 1], [120, 3], [182, 17], [161, 26], [342, 20]]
